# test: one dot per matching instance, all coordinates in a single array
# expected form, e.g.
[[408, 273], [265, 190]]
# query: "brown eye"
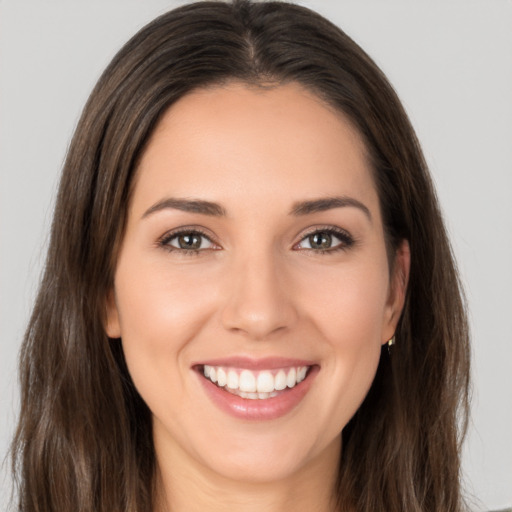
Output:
[[188, 241], [320, 240], [326, 240]]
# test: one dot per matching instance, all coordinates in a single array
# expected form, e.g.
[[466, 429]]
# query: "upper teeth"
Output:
[[247, 381]]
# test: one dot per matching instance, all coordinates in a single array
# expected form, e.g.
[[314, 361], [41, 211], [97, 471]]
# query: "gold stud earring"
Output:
[[390, 344]]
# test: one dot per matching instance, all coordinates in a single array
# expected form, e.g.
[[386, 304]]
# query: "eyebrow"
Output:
[[216, 210], [187, 205], [328, 203]]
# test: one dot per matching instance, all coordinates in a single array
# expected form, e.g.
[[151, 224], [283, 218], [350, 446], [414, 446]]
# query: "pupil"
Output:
[[320, 241], [190, 241]]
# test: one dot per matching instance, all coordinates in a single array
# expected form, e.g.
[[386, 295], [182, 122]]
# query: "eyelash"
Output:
[[346, 240], [165, 240]]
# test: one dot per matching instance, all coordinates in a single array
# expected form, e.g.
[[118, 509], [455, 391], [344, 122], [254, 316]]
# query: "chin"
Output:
[[268, 458]]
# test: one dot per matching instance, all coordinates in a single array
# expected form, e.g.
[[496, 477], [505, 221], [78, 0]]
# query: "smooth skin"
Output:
[[255, 283]]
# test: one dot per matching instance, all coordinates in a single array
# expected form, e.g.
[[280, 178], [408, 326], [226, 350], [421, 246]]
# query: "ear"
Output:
[[112, 324], [397, 290]]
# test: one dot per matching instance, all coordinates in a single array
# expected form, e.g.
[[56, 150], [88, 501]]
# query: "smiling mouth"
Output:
[[255, 385]]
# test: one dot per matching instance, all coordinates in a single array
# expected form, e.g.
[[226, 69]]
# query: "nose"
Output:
[[259, 303]]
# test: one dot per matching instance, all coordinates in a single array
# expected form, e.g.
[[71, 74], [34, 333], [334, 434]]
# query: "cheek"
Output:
[[157, 304], [348, 311], [348, 305], [159, 313]]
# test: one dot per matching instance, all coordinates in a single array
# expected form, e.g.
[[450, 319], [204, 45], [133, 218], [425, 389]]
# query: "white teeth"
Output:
[[265, 382], [280, 381], [291, 378], [221, 378], [250, 396], [213, 374], [254, 396], [247, 382], [232, 379], [253, 385]]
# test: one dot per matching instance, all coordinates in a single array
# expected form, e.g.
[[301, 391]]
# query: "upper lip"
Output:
[[265, 363]]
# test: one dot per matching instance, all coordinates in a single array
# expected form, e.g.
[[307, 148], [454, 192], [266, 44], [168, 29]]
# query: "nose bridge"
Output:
[[259, 302]]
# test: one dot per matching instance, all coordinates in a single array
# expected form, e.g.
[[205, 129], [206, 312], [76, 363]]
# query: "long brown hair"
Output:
[[83, 441]]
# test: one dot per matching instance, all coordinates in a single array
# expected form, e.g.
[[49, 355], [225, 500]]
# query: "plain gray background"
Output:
[[451, 63]]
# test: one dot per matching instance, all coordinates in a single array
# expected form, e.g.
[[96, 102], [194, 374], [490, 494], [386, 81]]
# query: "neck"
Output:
[[184, 485]]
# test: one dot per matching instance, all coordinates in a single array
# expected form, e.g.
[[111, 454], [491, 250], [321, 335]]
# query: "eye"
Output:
[[187, 241], [326, 240]]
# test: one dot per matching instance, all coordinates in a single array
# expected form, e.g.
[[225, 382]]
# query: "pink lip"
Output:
[[258, 410], [266, 363]]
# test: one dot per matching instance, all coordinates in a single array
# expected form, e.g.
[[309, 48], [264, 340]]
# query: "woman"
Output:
[[249, 299]]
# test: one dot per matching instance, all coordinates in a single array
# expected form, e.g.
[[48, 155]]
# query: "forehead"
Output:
[[234, 139]]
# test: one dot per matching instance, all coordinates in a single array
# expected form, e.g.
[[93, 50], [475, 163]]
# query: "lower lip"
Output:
[[259, 409]]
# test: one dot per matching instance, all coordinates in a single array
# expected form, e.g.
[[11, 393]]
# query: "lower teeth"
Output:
[[251, 396]]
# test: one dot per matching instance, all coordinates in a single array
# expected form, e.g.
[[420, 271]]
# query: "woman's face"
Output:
[[254, 252]]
